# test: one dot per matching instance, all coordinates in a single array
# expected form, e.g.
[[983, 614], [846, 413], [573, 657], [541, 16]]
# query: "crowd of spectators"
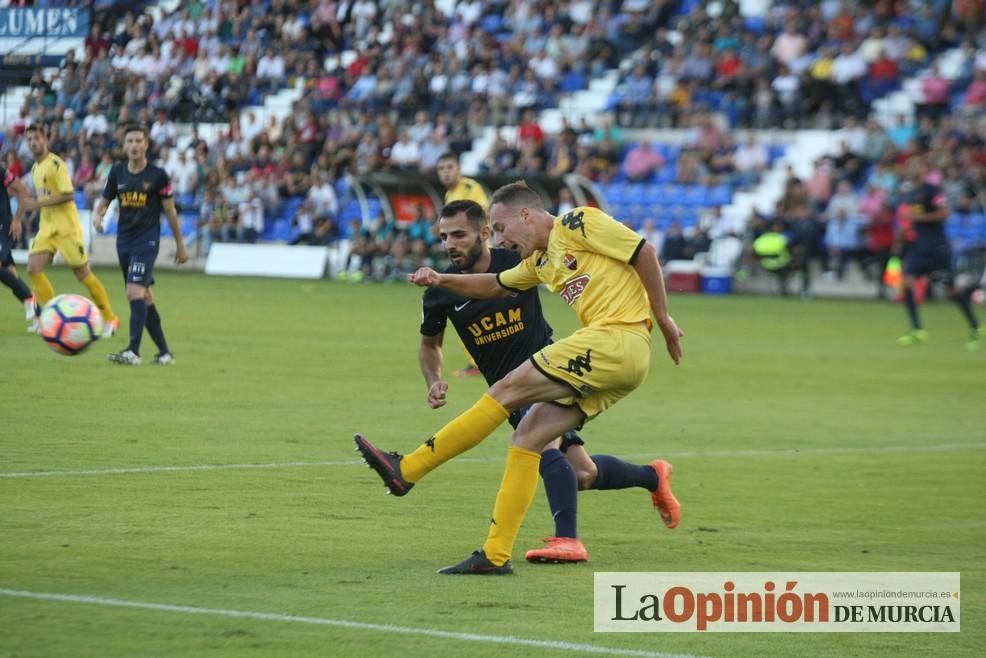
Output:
[[850, 210], [391, 85]]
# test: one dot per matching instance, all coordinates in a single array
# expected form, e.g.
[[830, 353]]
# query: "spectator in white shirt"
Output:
[[405, 154], [163, 130], [322, 197]]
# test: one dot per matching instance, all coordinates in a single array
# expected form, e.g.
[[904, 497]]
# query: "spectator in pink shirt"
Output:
[[975, 95], [641, 161], [935, 90]]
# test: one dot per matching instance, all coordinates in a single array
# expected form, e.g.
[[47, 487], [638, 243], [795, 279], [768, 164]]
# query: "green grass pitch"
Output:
[[802, 439]]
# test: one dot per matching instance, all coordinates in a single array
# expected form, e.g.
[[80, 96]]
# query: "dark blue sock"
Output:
[[155, 330], [964, 300], [912, 308], [617, 474], [562, 489], [138, 318]]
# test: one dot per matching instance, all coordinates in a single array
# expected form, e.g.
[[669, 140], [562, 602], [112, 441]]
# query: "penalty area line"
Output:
[[338, 623], [674, 454]]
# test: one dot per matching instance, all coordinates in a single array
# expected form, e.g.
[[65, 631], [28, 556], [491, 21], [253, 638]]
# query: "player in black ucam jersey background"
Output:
[[144, 192]]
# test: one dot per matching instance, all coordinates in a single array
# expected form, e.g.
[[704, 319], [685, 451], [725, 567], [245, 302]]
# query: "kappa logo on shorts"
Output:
[[574, 288], [578, 364]]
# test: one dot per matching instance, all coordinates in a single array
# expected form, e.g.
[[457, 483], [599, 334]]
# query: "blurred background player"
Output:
[[460, 188], [502, 333], [930, 254], [60, 230], [143, 191], [11, 229]]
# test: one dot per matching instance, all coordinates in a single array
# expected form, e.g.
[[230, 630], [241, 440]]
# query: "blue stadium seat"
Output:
[[695, 195], [80, 199], [720, 195]]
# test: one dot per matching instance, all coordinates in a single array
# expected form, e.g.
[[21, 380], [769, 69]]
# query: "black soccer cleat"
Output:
[[386, 464], [477, 564]]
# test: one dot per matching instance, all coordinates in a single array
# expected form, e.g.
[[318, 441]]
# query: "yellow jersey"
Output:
[[588, 262], [51, 177], [467, 190]]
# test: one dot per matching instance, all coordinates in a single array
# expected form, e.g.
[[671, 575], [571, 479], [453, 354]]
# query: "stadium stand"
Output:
[[684, 114]]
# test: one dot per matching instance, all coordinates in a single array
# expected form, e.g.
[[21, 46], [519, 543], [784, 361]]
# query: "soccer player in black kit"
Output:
[[500, 334], [10, 231], [143, 190], [927, 252]]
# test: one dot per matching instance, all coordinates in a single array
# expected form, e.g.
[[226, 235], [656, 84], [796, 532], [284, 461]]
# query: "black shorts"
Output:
[[935, 262], [137, 261], [568, 439]]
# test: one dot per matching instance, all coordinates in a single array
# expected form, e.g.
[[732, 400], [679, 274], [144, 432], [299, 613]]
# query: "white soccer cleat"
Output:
[[35, 326], [110, 328], [124, 358], [164, 359]]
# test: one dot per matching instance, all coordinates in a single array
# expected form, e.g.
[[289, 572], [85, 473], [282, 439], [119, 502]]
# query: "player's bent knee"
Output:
[[585, 479], [81, 272]]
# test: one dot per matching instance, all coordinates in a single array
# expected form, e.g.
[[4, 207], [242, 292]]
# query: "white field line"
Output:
[[339, 623], [781, 452]]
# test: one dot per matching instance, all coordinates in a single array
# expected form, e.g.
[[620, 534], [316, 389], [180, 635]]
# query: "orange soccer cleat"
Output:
[[559, 550], [664, 501]]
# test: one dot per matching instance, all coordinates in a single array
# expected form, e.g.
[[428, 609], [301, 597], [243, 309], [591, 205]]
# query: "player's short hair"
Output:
[[37, 128], [449, 155], [517, 194], [475, 214], [137, 128]]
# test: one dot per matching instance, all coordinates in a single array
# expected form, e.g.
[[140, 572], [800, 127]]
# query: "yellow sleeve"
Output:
[[521, 276], [593, 230], [62, 181]]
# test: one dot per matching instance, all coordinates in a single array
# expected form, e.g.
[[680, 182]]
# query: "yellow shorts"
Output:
[[52, 238], [602, 364]]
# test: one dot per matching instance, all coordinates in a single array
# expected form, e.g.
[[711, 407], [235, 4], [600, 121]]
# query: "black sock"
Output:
[[155, 330], [617, 474], [138, 318], [964, 300], [14, 282], [912, 308], [562, 490]]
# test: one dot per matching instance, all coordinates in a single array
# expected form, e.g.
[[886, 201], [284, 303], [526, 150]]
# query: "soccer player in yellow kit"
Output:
[[612, 280], [60, 230], [460, 188]]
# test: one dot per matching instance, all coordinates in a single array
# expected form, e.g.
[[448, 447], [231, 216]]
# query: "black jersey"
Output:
[[140, 198], [926, 198], [6, 216], [501, 333]]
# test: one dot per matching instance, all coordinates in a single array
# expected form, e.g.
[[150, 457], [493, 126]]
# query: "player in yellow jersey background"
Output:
[[460, 188], [59, 231]]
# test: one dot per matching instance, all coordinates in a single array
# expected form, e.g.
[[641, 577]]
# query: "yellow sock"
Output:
[[462, 433], [520, 481], [43, 290], [99, 296]]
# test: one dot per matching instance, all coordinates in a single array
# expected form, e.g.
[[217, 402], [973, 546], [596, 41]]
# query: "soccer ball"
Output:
[[70, 324]]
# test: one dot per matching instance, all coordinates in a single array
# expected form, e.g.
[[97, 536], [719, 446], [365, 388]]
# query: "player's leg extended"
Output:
[[522, 386], [605, 472], [542, 424]]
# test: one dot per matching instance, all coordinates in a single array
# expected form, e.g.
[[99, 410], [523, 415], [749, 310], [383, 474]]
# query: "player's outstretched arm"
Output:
[[473, 286], [20, 191], [649, 270], [430, 360]]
